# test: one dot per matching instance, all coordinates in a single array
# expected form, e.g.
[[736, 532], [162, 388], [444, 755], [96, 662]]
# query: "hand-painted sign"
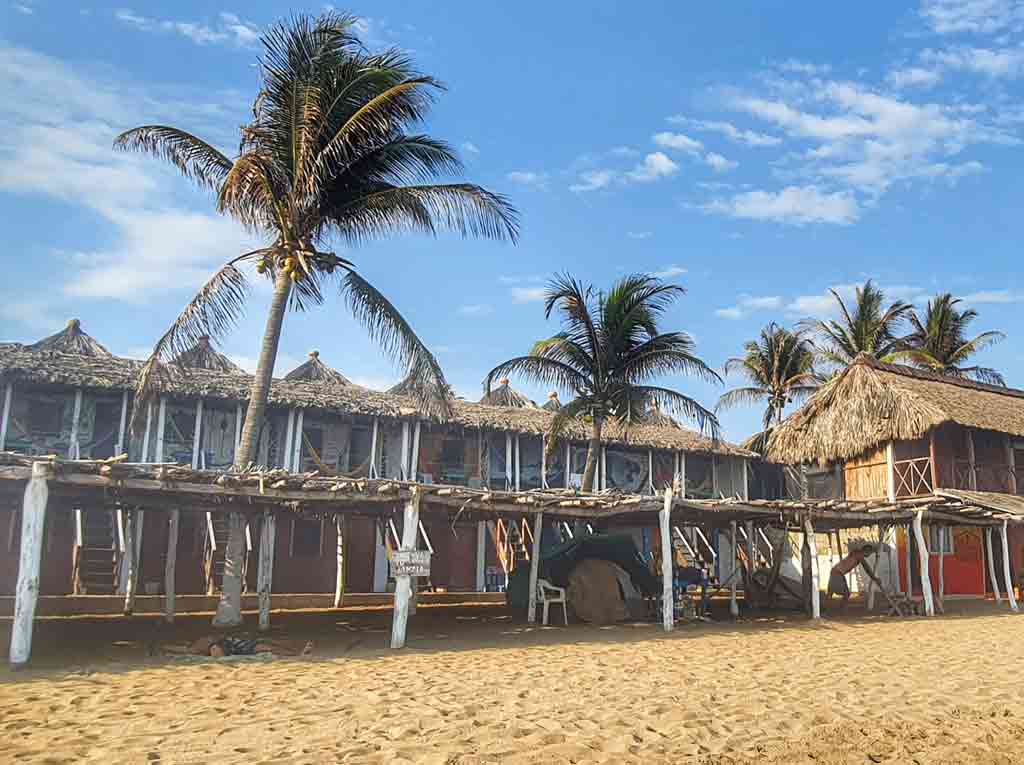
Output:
[[410, 563]]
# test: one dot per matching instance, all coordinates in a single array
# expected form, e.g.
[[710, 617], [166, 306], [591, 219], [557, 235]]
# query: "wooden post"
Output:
[[874, 567], [667, 601], [745, 464], [74, 452], [339, 579], [414, 458], [933, 460], [286, 457], [481, 556], [373, 449], [238, 430], [922, 554], [543, 462], [910, 565], [812, 548], [991, 564], [568, 463], [404, 472], [33, 523], [403, 584], [509, 461], [519, 465], [145, 435], [749, 527], [197, 434], [122, 425], [734, 608], [604, 468], [890, 472], [972, 477], [161, 421], [5, 421], [538, 528], [650, 471], [135, 562], [297, 452], [1011, 466], [714, 476], [265, 572], [682, 474], [943, 531], [173, 520], [1007, 576]]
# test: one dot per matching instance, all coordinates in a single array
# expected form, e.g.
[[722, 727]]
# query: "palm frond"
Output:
[[541, 370], [195, 159], [676, 403], [740, 397]]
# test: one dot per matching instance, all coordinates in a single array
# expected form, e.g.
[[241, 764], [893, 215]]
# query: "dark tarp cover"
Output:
[[557, 562]]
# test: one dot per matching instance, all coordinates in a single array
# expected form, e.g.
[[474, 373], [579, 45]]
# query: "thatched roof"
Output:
[[552, 404], [23, 365], [203, 356], [506, 395], [314, 370], [72, 339], [871, 403], [657, 417]]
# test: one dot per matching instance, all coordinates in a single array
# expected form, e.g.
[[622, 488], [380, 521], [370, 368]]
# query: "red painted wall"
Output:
[[964, 569]]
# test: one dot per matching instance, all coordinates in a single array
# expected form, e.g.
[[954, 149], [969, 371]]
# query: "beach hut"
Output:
[[72, 339], [506, 395], [315, 370], [203, 356]]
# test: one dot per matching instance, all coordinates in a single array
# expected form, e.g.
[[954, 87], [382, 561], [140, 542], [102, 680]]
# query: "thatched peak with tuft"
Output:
[[505, 395], [552, 404], [314, 370], [657, 417], [870, 403], [72, 339], [203, 356]]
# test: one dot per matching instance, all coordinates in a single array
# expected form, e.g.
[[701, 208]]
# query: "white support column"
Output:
[[682, 474], [135, 568], [1011, 466], [403, 584], [33, 523], [668, 614], [197, 434], [749, 527], [1007, 576], [5, 421], [815, 577], [604, 468], [173, 520], [127, 569], [972, 477], [509, 461], [238, 429], [119, 447], [943, 532], [519, 465], [538, 528], [76, 416], [404, 472], [289, 432], [265, 572], [991, 564], [149, 428], [373, 449], [910, 563], [745, 465], [890, 472], [481, 556], [543, 462], [161, 421], [714, 476], [339, 557], [568, 462], [650, 471], [922, 554], [414, 457], [297, 452], [734, 608]]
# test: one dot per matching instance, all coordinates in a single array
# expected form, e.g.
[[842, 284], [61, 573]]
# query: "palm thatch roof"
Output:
[[655, 416], [203, 356], [23, 366], [314, 370], [72, 339], [871, 403], [506, 395], [552, 404]]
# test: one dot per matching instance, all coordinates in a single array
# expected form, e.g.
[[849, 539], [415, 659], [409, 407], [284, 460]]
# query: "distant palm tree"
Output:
[[609, 348], [939, 341], [779, 366], [870, 328], [327, 155]]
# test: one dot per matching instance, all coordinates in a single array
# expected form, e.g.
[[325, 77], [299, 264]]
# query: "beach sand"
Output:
[[477, 685]]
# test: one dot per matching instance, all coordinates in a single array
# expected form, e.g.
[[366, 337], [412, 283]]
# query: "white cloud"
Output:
[[36, 315], [730, 131], [639, 234], [24, 9], [972, 16], [748, 304], [989, 62], [803, 67], [824, 305], [529, 178], [913, 77], [729, 313], [593, 180], [654, 166], [470, 148], [718, 163], [994, 296], [678, 141], [794, 205], [670, 272], [527, 294], [228, 28], [475, 309]]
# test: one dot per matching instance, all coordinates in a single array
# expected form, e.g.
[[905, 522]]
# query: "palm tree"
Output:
[[939, 341], [609, 348], [870, 328], [779, 367], [327, 156]]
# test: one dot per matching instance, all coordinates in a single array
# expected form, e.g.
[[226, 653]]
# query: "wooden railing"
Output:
[[913, 478], [986, 476]]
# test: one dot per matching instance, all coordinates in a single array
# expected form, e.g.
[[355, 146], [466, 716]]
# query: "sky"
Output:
[[757, 153]]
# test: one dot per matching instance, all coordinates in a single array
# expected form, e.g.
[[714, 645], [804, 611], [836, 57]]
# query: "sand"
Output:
[[478, 686]]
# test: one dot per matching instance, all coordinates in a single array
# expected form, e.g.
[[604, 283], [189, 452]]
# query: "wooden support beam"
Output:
[[1007, 577], [414, 457], [74, 450], [1011, 466], [299, 435], [229, 612], [745, 464], [403, 471], [173, 520], [910, 564], [943, 532], [265, 573], [339, 557], [668, 614], [568, 463], [650, 471], [972, 476], [149, 427], [161, 421], [33, 524], [682, 475], [403, 584], [6, 418], [812, 548], [197, 435], [481, 556], [373, 449], [991, 564], [538, 528], [289, 433], [751, 549], [519, 465], [922, 553], [933, 461], [890, 472], [122, 427], [509, 461], [135, 562], [604, 467], [238, 429], [734, 609]]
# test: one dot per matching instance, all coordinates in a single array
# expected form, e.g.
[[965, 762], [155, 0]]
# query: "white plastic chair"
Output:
[[547, 593]]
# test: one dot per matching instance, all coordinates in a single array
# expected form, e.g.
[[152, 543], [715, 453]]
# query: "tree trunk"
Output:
[[229, 608], [593, 454]]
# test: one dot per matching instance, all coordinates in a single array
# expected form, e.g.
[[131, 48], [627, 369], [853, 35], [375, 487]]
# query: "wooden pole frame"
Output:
[[403, 584], [1011, 465], [173, 520], [890, 471], [667, 601], [923, 555], [265, 572], [972, 477], [734, 609], [145, 436], [197, 434], [122, 425], [1011, 597], [6, 419], [339, 572], [509, 457], [812, 548], [74, 451], [481, 556], [300, 419], [538, 528], [519, 464], [161, 421], [991, 564], [286, 457], [238, 429], [373, 448], [414, 456], [33, 525]]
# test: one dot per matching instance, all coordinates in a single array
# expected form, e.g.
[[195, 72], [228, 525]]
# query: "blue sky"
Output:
[[757, 153]]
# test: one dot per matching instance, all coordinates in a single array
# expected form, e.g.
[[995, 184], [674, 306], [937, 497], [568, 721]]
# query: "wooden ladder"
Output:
[[97, 556]]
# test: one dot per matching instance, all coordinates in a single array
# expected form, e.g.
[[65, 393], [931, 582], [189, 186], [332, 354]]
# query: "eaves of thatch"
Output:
[[871, 403], [22, 365]]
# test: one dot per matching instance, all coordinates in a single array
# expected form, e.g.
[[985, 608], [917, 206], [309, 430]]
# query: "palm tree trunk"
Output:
[[593, 451], [229, 608]]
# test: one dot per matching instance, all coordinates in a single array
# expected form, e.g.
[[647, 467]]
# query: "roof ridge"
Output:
[[926, 374]]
